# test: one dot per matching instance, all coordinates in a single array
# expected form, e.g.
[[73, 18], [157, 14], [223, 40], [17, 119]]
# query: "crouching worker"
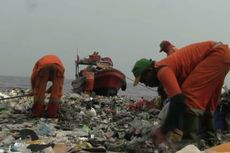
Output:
[[48, 68], [192, 78]]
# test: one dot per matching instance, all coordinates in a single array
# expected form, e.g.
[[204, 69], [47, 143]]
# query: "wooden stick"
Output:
[[30, 94]]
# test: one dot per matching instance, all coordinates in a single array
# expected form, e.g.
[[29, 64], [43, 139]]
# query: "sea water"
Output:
[[9, 82]]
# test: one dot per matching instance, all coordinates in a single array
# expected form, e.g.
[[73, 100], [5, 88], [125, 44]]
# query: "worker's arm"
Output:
[[169, 81], [177, 104]]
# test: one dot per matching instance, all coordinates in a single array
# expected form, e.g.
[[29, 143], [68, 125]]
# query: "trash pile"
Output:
[[86, 124]]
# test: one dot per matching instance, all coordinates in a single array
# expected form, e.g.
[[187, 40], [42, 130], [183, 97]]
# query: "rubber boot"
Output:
[[174, 118], [191, 129], [38, 109], [209, 132], [53, 108]]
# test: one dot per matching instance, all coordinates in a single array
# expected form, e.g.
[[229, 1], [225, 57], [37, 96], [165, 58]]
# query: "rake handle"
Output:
[[30, 94]]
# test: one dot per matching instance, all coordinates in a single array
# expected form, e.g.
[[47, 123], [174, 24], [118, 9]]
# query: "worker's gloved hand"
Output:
[[174, 118]]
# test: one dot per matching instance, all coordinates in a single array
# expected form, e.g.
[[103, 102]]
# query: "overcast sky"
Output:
[[125, 30]]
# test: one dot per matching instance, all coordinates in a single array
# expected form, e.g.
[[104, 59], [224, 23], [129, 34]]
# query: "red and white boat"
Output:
[[99, 76]]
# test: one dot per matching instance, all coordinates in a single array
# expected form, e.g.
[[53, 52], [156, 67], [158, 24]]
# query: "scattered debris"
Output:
[[86, 124]]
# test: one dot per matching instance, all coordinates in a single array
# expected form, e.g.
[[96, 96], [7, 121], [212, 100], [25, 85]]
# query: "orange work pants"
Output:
[[202, 88], [41, 82]]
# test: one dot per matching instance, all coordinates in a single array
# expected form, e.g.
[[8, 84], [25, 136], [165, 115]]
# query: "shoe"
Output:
[[38, 109], [53, 108]]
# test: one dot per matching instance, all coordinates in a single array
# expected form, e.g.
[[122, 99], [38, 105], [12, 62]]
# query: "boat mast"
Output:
[[77, 66]]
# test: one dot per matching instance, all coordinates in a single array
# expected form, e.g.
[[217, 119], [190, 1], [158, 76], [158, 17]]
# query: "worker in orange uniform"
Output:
[[47, 68], [192, 77], [167, 47]]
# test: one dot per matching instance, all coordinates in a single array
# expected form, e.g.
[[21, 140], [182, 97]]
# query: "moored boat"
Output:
[[99, 76]]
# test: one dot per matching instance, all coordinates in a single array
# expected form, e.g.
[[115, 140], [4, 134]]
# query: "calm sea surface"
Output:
[[8, 82]]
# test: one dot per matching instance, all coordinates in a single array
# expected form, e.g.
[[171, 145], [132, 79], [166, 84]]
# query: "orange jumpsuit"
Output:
[[48, 68], [198, 71]]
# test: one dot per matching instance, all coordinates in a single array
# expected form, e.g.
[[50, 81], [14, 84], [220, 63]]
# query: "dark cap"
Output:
[[164, 45]]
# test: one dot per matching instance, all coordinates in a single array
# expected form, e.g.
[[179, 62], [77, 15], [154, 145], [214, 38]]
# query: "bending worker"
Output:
[[47, 68], [192, 77], [168, 48]]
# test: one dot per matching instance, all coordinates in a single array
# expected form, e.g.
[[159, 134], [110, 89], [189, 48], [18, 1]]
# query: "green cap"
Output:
[[139, 67]]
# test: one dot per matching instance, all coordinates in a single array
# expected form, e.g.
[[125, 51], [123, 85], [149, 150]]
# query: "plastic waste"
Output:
[[3, 107], [39, 147], [141, 104], [48, 150], [8, 140], [28, 133], [85, 128], [163, 113], [92, 112], [20, 147], [74, 96], [2, 95], [43, 129], [189, 149], [83, 144]]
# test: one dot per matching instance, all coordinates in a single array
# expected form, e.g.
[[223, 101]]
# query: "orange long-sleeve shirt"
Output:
[[178, 68], [181, 63], [42, 62]]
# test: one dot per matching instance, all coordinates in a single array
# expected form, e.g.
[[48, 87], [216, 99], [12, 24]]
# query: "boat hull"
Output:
[[106, 82]]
